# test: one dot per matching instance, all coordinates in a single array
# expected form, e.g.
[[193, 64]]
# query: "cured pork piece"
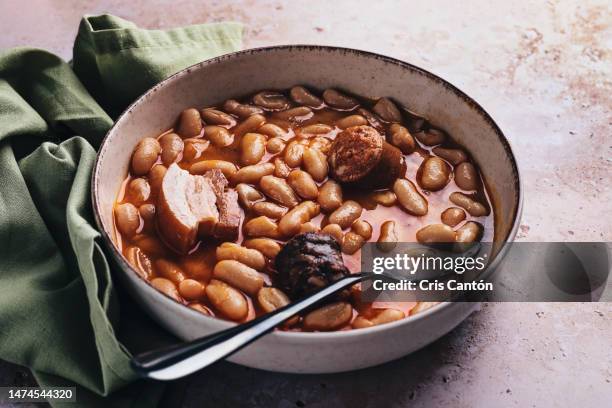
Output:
[[227, 204], [229, 216]]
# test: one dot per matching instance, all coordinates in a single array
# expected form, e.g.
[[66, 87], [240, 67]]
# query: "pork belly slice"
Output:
[[186, 208], [192, 207]]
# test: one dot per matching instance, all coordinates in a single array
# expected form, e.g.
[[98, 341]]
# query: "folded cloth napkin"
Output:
[[60, 313]]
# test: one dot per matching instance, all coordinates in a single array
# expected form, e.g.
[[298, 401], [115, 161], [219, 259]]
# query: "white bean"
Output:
[[253, 148], [270, 210], [250, 124], [275, 145], [387, 240], [201, 308], [261, 227], [421, 307], [268, 247], [271, 299], [194, 148], [431, 137], [147, 212], [453, 156], [145, 156], [271, 130], [290, 224], [346, 214], [471, 231], [227, 300], [239, 275], [466, 176], [329, 317], [280, 168], [335, 231], [218, 136], [338, 100], [401, 138], [309, 227], [372, 119], [330, 196], [434, 174], [315, 163], [278, 190], [216, 117], [435, 233], [387, 110], [172, 145], [295, 114], [227, 168], [303, 184], [247, 195], [127, 219], [189, 123], [386, 198], [382, 317], [191, 289], [316, 129], [166, 287], [303, 96], [169, 270], [473, 207], [363, 228], [156, 176], [140, 261], [241, 110], [250, 257], [270, 100], [352, 243], [139, 191], [350, 121], [293, 154], [452, 216], [320, 143], [252, 174], [409, 198]]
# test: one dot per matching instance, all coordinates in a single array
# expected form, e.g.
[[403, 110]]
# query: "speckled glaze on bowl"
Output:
[[363, 73]]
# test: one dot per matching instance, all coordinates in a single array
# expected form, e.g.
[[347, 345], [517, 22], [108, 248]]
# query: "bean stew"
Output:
[[209, 205]]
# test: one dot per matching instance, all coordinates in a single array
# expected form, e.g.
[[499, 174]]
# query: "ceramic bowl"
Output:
[[363, 73]]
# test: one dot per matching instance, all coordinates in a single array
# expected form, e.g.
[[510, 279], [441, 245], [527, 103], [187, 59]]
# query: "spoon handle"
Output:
[[179, 360]]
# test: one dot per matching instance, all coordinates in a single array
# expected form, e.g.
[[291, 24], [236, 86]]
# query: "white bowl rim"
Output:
[[295, 335]]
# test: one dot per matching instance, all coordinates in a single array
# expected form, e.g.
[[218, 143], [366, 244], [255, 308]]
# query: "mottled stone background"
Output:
[[542, 69]]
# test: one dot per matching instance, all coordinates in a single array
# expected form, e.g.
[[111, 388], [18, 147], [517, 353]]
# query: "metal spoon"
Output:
[[179, 360]]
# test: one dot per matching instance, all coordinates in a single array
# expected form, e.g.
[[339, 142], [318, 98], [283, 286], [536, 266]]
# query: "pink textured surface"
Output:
[[542, 70]]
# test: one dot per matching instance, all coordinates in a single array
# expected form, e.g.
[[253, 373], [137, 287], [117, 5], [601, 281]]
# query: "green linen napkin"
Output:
[[59, 310]]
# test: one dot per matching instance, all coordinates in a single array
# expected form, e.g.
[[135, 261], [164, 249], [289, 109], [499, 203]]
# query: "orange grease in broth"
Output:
[[406, 225]]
